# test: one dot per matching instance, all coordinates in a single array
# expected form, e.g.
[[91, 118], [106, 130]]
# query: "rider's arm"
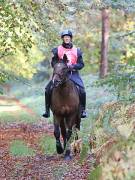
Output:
[[55, 58], [80, 63]]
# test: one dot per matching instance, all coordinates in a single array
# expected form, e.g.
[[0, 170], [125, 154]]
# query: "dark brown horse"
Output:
[[64, 105]]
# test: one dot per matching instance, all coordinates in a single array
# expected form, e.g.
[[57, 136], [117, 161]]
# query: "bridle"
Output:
[[63, 79]]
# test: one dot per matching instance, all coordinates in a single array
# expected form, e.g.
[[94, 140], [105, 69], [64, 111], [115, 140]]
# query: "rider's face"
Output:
[[67, 39]]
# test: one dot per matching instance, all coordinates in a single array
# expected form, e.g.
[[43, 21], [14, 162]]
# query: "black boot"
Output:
[[48, 92], [47, 105], [83, 103]]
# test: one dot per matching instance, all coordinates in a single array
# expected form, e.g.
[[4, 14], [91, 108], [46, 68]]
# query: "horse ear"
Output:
[[65, 59]]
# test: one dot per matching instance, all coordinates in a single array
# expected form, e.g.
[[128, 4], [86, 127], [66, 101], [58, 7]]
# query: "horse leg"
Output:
[[70, 123], [57, 136], [63, 132], [67, 155]]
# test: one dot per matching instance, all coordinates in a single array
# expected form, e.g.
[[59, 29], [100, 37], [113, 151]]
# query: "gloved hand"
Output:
[[71, 67]]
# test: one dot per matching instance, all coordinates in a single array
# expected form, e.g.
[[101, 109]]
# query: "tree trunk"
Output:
[[104, 43]]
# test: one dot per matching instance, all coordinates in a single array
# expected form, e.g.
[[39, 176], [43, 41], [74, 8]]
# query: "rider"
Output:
[[75, 63]]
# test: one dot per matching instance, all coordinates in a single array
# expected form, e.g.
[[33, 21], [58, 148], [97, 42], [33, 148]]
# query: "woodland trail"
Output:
[[37, 167]]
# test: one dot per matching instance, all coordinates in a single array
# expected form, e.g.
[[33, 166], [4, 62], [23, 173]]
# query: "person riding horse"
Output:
[[75, 63]]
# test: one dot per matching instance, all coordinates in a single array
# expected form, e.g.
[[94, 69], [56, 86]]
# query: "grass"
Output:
[[95, 174], [47, 145], [11, 111], [20, 148], [17, 117]]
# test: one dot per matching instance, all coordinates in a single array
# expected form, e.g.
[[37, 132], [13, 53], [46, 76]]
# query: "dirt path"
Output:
[[5, 99], [39, 166]]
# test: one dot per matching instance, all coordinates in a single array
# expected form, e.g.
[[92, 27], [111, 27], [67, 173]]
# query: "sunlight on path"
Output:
[[10, 104], [10, 108]]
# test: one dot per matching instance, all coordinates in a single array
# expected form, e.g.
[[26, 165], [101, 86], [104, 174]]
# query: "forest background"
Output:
[[105, 32]]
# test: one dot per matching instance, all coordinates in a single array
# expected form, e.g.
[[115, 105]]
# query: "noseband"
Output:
[[62, 78]]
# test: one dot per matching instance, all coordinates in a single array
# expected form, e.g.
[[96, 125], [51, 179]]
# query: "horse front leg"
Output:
[[67, 155], [70, 122], [64, 133], [57, 134]]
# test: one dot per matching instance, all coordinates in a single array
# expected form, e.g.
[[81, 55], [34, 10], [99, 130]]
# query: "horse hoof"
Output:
[[67, 158], [59, 149]]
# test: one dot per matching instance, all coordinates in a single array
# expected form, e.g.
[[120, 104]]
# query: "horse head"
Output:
[[60, 72]]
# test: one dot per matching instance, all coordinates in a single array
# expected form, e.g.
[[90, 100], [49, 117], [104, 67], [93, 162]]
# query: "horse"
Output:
[[65, 106]]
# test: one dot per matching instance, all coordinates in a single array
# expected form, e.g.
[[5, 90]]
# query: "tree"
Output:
[[26, 26], [104, 43], [86, 8], [127, 6], [30, 24]]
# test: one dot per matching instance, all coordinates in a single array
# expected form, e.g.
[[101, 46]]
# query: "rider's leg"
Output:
[[83, 102], [48, 92]]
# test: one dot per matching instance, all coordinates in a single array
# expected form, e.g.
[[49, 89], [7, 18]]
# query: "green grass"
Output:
[[17, 117], [47, 144], [20, 148], [95, 174]]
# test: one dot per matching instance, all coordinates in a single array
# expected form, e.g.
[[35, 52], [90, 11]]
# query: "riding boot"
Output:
[[47, 105], [83, 103], [48, 92]]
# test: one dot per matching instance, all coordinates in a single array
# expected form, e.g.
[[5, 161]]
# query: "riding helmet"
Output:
[[66, 32]]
